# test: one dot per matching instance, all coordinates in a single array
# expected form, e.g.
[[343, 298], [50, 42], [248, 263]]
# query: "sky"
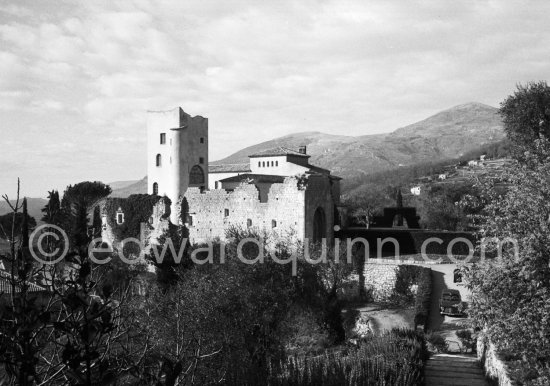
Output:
[[77, 77]]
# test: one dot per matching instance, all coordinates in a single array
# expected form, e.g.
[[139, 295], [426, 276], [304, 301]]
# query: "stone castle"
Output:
[[277, 192]]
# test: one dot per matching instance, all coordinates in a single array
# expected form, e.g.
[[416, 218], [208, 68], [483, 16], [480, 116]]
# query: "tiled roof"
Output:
[[229, 168], [267, 178], [5, 284], [278, 151]]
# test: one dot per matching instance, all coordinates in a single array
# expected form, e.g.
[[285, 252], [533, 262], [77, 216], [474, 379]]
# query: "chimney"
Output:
[[302, 150]]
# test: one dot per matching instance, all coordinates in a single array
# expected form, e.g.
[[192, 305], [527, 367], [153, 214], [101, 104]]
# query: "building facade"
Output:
[[278, 192]]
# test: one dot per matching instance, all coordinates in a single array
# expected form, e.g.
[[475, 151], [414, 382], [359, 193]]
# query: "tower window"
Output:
[[162, 138], [202, 139], [248, 223], [259, 164], [271, 163], [273, 224], [216, 184], [159, 160], [155, 189], [201, 160], [226, 212], [267, 163], [276, 163], [263, 164]]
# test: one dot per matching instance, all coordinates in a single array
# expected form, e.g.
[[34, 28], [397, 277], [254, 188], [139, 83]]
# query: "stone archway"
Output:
[[196, 176], [319, 225]]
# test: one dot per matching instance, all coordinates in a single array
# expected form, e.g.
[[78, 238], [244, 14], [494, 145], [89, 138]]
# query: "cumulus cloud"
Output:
[[88, 72]]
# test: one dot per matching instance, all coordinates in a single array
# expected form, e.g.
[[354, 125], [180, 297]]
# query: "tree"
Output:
[[52, 211], [526, 115], [96, 222], [511, 293], [77, 201]]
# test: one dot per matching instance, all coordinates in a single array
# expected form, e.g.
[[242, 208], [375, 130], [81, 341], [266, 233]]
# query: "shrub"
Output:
[[394, 358], [467, 339], [436, 343], [423, 297]]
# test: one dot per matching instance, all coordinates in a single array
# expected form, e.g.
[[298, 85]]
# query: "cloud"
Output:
[[88, 72]]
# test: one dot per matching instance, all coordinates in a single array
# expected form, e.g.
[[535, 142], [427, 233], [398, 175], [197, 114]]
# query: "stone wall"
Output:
[[380, 280], [495, 367], [319, 196], [210, 214]]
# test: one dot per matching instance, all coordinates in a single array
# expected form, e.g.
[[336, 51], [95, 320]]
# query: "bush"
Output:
[[467, 339], [437, 343], [394, 358]]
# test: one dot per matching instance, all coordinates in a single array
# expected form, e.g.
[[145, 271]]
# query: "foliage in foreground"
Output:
[[511, 294], [394, 358]]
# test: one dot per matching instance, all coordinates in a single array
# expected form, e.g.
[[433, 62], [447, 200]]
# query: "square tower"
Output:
[[177, 154]]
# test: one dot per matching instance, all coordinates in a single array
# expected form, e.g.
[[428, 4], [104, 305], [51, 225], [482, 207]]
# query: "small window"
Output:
[[216, 184], [189, 220], [259, 164], [267, 163], [159, 160], [162, 138], [273, 224], [248, 223], [226, 212], [201, 160], [202, 139], [276, 163], [272, 163], [155, 189], [119, 217], [263, 164], [151, 220]]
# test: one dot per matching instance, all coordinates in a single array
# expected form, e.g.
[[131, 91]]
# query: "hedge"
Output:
[[423, 298], [410, 240]]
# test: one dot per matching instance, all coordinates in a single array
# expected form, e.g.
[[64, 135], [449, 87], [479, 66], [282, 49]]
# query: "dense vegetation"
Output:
[[436, 206], [511, 294], [218, 323], [393, 358]]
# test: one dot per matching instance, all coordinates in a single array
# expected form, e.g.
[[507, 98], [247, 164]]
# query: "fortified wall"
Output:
[[209, 214]]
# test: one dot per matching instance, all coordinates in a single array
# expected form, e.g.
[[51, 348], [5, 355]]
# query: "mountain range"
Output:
[[446, 135]]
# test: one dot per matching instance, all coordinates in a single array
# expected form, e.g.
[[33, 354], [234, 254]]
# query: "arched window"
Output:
[[263, 164], [259, 164], [319, 225], [196, 176], [159, 160], [155, 188]]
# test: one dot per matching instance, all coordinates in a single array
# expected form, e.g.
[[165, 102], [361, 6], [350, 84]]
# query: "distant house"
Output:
[[482, 157], [415, 190], [473, 163], [442, 176]]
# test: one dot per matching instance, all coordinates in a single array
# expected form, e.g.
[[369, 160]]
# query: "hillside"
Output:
[[448, 134], [34, 206], [445, 135], [129, 187]]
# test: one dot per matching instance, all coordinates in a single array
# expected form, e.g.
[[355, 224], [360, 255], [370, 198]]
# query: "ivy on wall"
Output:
[[137, 209]]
